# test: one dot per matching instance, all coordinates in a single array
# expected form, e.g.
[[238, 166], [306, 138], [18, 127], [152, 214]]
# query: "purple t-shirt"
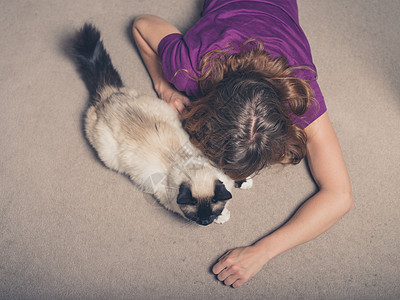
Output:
[[223, 22]]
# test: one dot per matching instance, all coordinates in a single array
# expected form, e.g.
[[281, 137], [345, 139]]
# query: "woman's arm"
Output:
[[314, 217], [148, 31]]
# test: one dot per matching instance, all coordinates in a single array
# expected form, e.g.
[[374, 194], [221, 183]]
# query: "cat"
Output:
[[141, 136]]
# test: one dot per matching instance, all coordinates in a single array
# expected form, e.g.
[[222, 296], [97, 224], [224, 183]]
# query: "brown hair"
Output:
[[242, 122]]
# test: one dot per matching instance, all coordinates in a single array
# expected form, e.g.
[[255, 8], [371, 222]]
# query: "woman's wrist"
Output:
[[161, 85], [269, 247], [264, 250]]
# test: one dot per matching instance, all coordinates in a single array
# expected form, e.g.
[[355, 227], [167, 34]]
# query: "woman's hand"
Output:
[[174, 98], [239, 265]]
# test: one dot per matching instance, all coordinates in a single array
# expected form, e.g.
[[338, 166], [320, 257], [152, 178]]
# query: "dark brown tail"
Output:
[[93, 61]]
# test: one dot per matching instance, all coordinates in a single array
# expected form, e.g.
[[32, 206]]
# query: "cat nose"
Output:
[[204, 222]]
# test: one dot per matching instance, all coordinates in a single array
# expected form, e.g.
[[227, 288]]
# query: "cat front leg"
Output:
[[244, 184]]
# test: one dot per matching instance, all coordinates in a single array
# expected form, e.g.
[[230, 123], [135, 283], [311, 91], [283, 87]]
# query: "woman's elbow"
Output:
[[138, 22], [347, 202], [142, 22], [341, 199]]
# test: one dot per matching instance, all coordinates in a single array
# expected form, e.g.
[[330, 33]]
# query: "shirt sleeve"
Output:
[[315, 110], [177, 64]]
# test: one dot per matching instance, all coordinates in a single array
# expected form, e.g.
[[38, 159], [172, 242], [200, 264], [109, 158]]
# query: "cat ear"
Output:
[[220, 192], [185, 194]]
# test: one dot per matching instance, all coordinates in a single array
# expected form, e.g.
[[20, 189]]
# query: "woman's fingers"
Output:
[[185, 101], [221, 265], [238, 283], [231, 280], [178, 105], [231, 274], [176, 100], [239, 265]]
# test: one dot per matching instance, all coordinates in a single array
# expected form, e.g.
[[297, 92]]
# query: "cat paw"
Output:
[[245, 184], [223, 217]]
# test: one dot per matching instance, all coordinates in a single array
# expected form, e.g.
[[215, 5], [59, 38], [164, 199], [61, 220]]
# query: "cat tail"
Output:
[[94, 63]]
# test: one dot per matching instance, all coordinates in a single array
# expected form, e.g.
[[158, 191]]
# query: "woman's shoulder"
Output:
[[315, 110]]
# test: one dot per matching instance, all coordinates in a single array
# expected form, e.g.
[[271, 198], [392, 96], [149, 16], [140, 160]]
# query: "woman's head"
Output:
[[242, 123]]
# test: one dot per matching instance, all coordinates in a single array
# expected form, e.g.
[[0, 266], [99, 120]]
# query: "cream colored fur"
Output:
[[141, 136]]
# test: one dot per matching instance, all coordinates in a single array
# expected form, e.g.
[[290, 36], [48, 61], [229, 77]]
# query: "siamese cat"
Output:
[[142, 137]]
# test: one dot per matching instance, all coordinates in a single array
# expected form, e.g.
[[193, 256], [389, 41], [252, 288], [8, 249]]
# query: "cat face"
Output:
[[203, 210]]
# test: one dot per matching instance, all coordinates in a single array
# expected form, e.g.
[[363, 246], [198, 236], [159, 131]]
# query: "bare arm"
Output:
[[314, 217], [148, 31]]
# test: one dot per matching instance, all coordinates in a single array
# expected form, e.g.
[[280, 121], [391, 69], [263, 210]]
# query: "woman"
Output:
[[247, 67]]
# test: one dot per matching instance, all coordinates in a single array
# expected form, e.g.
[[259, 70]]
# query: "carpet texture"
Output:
[[72, 229]]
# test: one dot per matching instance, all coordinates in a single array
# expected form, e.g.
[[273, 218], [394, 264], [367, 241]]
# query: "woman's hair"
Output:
[[242, 122]]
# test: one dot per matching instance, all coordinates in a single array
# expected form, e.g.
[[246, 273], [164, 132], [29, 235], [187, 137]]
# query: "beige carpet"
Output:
[[72, 229]]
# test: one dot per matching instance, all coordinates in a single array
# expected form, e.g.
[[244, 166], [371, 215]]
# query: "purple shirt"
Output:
[[275, 22]]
